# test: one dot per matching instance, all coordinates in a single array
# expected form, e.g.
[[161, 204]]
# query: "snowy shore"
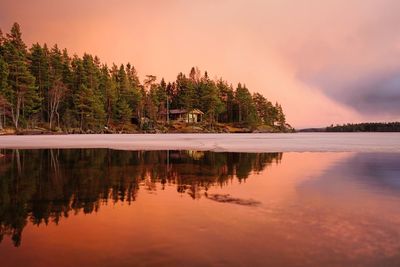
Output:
[[299, 142]]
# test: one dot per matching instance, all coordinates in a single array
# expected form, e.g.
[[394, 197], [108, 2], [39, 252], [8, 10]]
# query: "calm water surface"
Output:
[[99, 207]]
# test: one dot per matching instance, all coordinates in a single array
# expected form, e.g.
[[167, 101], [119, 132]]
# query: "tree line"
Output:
[[46, 87], [366, 127]]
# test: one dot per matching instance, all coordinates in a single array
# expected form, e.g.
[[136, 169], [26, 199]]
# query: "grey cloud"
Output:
[[370, 94], [361, 67], [379, 95]]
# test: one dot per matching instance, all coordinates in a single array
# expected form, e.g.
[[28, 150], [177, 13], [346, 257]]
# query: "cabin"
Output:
[[192, 116]]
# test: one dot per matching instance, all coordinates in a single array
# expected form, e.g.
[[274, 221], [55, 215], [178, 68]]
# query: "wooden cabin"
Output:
[[192, 116]]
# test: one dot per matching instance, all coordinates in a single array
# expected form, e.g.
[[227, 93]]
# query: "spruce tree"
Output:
[[280, 117], [124, 112], [210, 102], [4, 90], [23, 95], [108, 91], [90, 109], [226, 94], [40, 68]]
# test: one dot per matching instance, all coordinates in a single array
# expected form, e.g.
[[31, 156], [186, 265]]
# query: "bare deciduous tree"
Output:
[[56, 93]]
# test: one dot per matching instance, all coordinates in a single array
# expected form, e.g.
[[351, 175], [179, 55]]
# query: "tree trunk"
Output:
[[51, 114], [19, 166], [58, 119], [109, 114], [240, 114], [15, 115], [50, 120], [167, 111], [4, 116]]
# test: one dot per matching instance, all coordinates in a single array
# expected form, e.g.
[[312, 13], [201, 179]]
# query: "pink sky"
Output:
[[325, 61]]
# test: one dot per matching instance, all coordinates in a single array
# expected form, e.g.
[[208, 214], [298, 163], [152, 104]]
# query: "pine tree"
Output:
[[162, 96], [89, 109], [4, 91], [108, 89], [66, 68], [91, 72], [265, 110], [40, 68], [210, 102], [23, 95], [124, 112], [152, 102], [280, 117], [246, 108], [226, 94], [185, 95], [129, 89], [56, 64]]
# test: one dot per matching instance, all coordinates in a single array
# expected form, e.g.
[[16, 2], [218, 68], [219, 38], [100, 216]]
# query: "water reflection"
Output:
[[378, 170], [43, 186], [362, 173]]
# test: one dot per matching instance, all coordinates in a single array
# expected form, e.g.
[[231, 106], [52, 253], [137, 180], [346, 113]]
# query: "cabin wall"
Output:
[[186, 117]]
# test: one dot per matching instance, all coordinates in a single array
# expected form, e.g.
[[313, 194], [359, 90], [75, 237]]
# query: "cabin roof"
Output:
[[183, 111]]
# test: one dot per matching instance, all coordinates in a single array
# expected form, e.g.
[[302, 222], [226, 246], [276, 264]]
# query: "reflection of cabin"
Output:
[[193, 116]]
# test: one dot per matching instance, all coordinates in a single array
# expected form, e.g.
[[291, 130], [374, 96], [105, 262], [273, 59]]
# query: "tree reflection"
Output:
[[43, 186]]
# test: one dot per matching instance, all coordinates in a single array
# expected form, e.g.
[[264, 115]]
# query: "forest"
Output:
[[46, 89], [366, 127]]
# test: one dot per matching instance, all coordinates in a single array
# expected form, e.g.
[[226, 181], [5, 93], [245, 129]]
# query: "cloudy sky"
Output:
[[330, 61]]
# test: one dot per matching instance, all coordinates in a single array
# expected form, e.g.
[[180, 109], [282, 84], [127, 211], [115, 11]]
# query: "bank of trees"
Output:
[[366, 127], [47, 87]]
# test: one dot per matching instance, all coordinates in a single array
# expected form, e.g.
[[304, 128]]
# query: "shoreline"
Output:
[[240, 142]]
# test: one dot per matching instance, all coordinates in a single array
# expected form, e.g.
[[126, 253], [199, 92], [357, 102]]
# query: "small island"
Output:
[[46, 91]]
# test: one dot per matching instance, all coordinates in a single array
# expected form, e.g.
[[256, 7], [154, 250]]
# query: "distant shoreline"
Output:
[[385, 127]]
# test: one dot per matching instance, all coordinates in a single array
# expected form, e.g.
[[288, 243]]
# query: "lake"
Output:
[[104, 207]]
